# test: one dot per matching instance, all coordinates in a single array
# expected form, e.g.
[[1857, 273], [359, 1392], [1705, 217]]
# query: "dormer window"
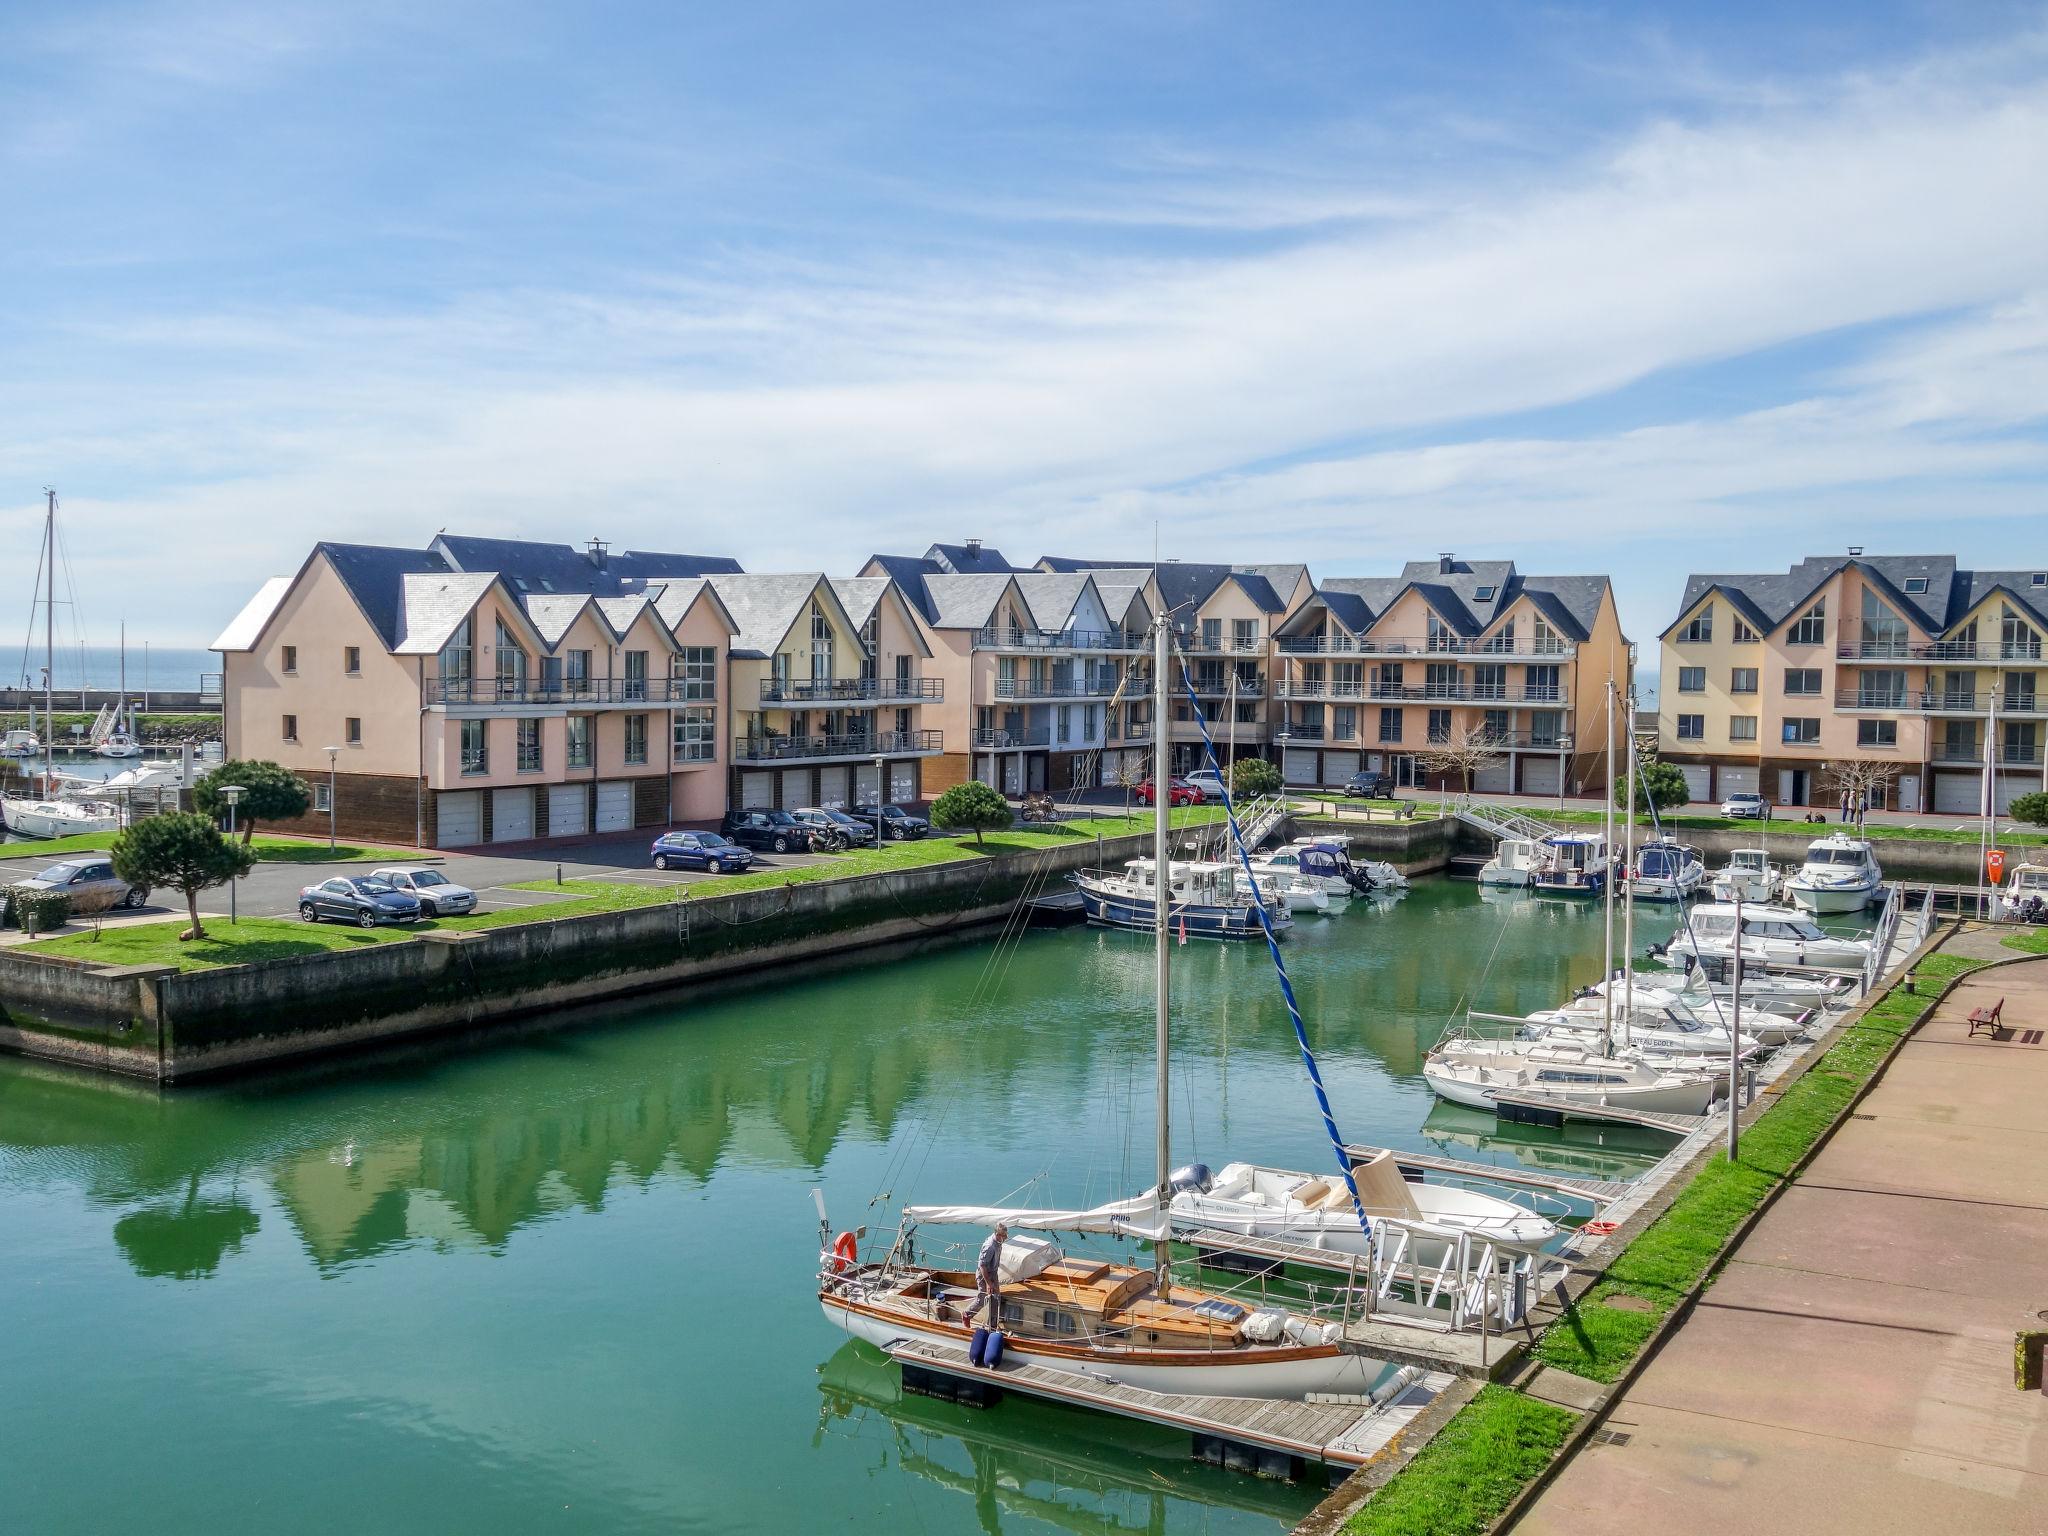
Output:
[[1916, 586], [2040, 579]]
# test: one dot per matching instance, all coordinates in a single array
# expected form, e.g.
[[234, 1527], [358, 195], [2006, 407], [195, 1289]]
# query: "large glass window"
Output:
[[458, 659], [1699, 629], [1692, 679], [696, 672], [1884, 632], [636, 674], [511, 663], [1877, 733], [1546, 727], [476, 749], [1439, 725], [1390, 725], [1802, 681], [1812, 628], [1742, 680], [2017, 638], [1801, 731], [1742, 727], [636, 738], [1692, 727], [696, 735], [579, 741], [529, 746]]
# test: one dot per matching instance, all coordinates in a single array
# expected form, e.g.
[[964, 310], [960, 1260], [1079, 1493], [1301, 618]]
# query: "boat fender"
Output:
[[1396, 1384], [1265, 1326], [976, 1345], [992, 1350], [1302, 1330], [845, 1253], [1332, 1332]]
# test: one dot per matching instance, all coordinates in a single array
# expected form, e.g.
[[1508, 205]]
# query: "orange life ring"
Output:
[[844, 1252]]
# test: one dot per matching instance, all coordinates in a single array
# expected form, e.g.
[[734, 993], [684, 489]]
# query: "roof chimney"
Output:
[[1444, 563], [1855, 549], [599, 552], [974, 546]]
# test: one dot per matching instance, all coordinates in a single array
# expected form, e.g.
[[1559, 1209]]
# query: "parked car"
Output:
[[1208, 781], [898, 825], [699, 850], [363, 900], [774, 831], [851, 831], [438, 895], [1369, 786], [1178, 792], [1745, 806], [91, 884]]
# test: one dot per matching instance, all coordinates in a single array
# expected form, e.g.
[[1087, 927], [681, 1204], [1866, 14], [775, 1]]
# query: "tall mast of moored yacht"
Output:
[[1607, 893], [49, 641], [1628, 862], [1162, 811]]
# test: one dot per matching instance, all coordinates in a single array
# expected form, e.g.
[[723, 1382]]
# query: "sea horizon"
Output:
[[169, 669]]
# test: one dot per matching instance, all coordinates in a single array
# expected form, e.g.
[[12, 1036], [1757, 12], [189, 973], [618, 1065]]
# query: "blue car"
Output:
[[700, 850]]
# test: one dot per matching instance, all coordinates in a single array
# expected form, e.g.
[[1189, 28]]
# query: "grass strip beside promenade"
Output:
[[1459, 1483], [273, 938], [1607, 1327], [268, 850], [1964, 831]]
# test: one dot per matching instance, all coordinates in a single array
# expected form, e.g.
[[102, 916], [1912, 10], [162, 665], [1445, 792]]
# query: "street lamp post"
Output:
[[232, 793], [332, 753], [881, 799]]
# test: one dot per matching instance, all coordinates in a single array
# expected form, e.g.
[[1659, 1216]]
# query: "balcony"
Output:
[[1940, 650], [1425, 645], [991, 638], [1003, 741], [1223, 645], [1025, 688], [496, 692], [212, 685], [1223, 688], [786, 749], [887, 690], [1465, 693], [1930, 701]]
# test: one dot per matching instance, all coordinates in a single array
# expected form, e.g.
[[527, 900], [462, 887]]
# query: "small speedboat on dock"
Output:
[[1206, 899], [1840, 875]]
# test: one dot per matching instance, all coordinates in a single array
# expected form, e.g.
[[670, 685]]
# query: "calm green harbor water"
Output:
[[565, 1282]]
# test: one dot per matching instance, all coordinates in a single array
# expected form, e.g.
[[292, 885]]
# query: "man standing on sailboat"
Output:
[[988, 1277]]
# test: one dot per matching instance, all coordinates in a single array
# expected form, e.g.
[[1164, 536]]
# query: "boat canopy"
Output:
[[1139, 1216]]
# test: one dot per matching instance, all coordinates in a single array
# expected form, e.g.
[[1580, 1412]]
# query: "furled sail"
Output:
[[1140, 1216]]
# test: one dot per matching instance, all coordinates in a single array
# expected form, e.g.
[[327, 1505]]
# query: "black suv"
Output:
[[1370, 786], [771, 831], [897, 823]]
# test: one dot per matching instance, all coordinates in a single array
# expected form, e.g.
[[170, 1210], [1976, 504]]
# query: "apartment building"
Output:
[[829, 692], [1770, 682], [1373, 672], [485, 690]]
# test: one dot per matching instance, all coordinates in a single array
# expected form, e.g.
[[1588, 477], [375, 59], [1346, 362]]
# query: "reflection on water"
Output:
[[574, 1268]]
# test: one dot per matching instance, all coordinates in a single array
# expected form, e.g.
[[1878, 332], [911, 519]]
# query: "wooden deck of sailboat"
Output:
[[1345, 1434]]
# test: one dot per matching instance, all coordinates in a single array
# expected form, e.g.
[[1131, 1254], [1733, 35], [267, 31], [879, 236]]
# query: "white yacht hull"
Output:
[[1506, 877], [1291, 1374], [56, 818], [1680, 1098], [1831, 898]]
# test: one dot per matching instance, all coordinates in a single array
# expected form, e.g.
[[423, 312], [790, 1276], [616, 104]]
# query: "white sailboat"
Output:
[[1115, 1321]]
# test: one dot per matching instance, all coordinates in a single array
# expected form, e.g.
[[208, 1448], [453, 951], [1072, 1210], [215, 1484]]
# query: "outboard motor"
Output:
[[1195, 1178]]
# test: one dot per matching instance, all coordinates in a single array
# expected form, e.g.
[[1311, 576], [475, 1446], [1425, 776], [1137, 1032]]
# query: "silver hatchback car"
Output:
[[91, 884], [438, 895]]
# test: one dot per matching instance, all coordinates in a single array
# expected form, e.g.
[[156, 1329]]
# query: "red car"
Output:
[[1178, 792]]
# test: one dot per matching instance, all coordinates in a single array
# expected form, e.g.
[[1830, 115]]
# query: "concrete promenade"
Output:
[[1851, 1370]]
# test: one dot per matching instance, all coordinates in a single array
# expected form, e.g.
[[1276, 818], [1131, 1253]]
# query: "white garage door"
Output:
[[864, 781], [796, 788], [1495, 778], [835, 785], [461, 819], [902, 782], [1699, 780], [1339, 766], [757, 791], [568, 810], [1540, 775], [2012, 785], [615, 807], [1737, 781], [511, 815], [1958, 794], [1298, 766]]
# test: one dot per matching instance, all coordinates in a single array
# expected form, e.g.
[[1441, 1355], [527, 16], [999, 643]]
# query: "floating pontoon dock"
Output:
[[1272, 1437], [1598, 1191], [1543, 1109]]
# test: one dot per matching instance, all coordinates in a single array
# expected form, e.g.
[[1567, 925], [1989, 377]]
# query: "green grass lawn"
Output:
[[2032, 941], [269, 850], [1964, 830], [1458, 1484]]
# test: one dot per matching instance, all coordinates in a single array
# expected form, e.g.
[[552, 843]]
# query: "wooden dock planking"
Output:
[[1599, 1191], [1335, 1433], [1605, 1114]]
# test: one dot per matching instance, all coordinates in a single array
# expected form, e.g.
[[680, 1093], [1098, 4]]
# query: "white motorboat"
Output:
[[1206, 899], [1514, 863], [1472, 1072], [59, 818], [155, 773], [1792, 997], [118, 744], [1667, 870], [1251, 1200], [1770, 936], [1748, 874], [20, 743], [1330, 861], [2025, 897], [1660, 1022], [1295, 894], [1314, 869], [1840, 875], [1578, 864]]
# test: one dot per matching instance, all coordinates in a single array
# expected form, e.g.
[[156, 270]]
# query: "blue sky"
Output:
[[1633, 290]]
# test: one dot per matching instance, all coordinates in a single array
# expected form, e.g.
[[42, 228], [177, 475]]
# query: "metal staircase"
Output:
[[1256, 821], [1498, 821]]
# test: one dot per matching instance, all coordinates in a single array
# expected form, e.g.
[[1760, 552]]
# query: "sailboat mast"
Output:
[[1162, 810], [50, 641], [1628, 905], [1607, 893]]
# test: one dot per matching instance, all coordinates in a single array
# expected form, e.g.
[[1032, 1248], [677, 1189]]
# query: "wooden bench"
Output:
[[1987, 1019]]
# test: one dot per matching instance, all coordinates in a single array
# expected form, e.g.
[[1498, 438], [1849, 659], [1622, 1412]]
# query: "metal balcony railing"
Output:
[[998, 740], [1936, 701], [1423, 645], [568, 692], [846, 689], [1223, 645], [1940, 650], [1063, 688], [1466, 693], [212, 685], [1212, 687], [777, 749], [990, 637]]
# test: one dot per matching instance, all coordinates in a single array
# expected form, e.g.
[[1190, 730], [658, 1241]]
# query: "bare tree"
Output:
[[1867, 783], [1464, 752]]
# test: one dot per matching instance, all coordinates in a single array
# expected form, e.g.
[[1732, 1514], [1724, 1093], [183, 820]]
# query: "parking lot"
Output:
[[272, 890]]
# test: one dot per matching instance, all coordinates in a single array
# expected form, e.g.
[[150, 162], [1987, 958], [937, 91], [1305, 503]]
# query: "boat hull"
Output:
[[1109, 909], [1683, 1098], [46, 819], [1832, 898], [1281, 1373], [1504, 878]]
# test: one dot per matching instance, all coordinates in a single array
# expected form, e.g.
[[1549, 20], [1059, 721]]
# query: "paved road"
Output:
[[272, 890], [1851, 1370]]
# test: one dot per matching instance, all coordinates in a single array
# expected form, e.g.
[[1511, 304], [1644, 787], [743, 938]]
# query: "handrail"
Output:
[[885, 688], [775, 749]]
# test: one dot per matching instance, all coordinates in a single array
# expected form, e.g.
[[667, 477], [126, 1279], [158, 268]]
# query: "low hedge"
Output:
[[33, 911]]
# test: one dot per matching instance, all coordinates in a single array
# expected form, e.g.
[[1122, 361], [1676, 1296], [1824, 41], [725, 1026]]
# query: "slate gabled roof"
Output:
[[530, 565], [1051, 598], [964, 602], [1570, 603], [765, 607], [1768, 598], [552, 614], [434, 603], [964, 560], [374, 575], [246, 627], [860, 596]]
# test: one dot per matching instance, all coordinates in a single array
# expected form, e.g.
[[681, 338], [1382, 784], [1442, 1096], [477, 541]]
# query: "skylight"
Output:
[[1916, 585], [2041, 579], [1484, 595]]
